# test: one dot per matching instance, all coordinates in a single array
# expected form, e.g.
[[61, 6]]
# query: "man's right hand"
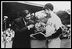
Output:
[[30, 26]]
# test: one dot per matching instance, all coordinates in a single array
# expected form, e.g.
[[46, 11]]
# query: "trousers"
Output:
[[54, 43]]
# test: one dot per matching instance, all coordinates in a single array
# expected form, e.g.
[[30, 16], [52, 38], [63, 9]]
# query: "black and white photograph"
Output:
[[35, 24]]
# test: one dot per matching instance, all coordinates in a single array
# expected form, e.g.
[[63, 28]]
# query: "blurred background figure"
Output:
[[65, 37], [2, 40]]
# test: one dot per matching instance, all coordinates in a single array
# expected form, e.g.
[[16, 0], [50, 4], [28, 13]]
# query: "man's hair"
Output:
[[24, 13], [48, 6]]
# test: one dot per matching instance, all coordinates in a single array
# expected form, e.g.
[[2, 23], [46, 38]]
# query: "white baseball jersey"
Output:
[[53, 23]]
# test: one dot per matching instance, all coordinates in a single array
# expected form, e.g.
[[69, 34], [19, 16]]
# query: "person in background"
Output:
[[21, 39]]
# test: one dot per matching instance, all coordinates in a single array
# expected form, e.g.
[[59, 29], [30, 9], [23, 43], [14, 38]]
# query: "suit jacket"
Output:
[[21, 39]]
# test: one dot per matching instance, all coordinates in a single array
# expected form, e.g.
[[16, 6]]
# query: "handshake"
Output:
[[30, 26]]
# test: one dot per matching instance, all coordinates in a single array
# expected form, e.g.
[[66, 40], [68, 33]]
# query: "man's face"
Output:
[[48, 13], [28, 17]]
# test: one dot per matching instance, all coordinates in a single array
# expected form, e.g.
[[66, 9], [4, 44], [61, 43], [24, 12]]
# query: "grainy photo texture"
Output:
[[35, 24]]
